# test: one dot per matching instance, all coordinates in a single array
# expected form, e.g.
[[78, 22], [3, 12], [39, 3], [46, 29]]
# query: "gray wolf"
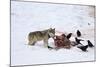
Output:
[[44, 35]]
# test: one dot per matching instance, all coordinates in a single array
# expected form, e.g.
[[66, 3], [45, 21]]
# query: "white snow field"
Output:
[[32, 16]]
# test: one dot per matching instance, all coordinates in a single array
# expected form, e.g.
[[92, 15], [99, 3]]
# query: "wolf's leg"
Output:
[[45, 43], [31, 42]]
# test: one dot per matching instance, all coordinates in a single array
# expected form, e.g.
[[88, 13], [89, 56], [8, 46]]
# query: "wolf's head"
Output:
[[51, 32]]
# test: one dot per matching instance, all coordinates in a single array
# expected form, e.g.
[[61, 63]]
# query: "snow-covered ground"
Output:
[[30, 16]]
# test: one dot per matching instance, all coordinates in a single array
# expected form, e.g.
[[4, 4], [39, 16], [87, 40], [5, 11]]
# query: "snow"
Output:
[[30, 16]]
